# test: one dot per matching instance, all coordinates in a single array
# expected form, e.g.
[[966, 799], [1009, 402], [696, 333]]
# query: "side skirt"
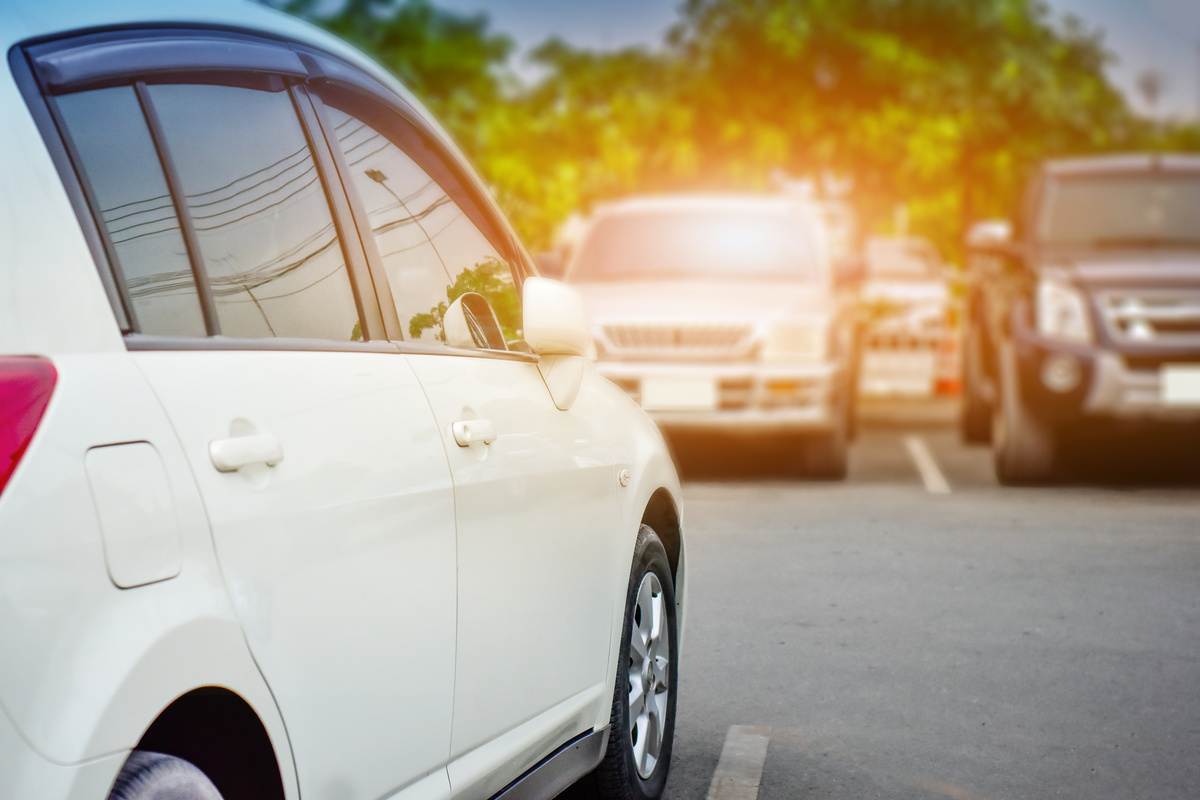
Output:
[[560, 769]]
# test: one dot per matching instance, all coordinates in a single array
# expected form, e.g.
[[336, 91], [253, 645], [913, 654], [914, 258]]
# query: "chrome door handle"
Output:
[[229, 455], [469, 431]]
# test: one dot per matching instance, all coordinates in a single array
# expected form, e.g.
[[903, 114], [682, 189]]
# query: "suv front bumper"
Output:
[[1112, 385], [736, 397]]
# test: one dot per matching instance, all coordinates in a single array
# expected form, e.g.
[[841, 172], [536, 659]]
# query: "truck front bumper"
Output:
[[747, 398], [1066, 381]]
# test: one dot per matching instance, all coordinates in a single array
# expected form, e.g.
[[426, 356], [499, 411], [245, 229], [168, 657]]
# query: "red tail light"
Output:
[[26, 383]]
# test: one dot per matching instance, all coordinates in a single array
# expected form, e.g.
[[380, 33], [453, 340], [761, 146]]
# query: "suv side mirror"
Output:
[[556, 328], [992, 237]]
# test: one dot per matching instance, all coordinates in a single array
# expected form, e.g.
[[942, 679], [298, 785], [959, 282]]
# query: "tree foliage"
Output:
[[938, 104]]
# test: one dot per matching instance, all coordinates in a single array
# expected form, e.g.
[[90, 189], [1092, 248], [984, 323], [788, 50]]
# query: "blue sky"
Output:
[[1159, 35]]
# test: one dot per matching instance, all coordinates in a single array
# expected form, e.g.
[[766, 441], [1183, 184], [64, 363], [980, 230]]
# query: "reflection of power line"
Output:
[[336, 270], [263, 196], [233, 284], [412, 218], [381, 179]]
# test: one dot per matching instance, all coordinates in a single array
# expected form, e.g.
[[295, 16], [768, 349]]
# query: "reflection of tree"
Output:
[[490, 278]]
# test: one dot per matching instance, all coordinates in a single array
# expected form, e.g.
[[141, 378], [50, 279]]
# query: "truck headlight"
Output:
[[796, 341], [1062, 312]]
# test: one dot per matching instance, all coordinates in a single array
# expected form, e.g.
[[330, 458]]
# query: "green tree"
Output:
[[939, 104], [490, 278]]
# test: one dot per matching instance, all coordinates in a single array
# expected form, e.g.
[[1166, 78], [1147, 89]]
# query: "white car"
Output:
[[306, 486], [724, 313]]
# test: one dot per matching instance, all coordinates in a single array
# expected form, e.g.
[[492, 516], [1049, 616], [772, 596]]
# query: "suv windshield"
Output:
[[1147, 210], [705, 244]]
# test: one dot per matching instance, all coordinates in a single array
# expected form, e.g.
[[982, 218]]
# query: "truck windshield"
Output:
[[1159, 210], [703, 244]]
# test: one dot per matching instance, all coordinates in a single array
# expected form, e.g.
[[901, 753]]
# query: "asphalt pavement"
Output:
[[893, 637]]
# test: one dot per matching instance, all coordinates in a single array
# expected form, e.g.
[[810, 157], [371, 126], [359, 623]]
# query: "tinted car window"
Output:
[[119, 161], [263, 222], [431, 250], [1110, 210]]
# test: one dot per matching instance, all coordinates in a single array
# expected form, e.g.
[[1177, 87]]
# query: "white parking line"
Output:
[[935, 482], [739, 771]]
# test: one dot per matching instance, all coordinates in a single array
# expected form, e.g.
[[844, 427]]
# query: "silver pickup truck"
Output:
[[725, 313]]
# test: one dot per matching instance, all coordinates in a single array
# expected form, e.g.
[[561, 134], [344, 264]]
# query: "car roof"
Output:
[[1122, 162], [26, 20]]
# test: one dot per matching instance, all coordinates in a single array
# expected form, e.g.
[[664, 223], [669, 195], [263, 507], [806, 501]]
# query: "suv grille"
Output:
[[1162, 317], [705, 339]]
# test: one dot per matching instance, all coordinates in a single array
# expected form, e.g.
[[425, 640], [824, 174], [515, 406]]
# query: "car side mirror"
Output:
[[556, 328], [991, 237]]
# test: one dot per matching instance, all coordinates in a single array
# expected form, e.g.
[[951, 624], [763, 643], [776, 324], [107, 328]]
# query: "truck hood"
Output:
[[709, 301]]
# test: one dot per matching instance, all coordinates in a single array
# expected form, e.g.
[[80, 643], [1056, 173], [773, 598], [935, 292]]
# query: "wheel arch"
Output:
[[219, 731], [662, 514]]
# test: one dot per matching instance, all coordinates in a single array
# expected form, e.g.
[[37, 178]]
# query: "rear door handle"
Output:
[[469, 431], [229, 455]]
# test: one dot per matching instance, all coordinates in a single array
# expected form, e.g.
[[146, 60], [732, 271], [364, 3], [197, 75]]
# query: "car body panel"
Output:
[[534, 509], [340, 559], [87, 665]]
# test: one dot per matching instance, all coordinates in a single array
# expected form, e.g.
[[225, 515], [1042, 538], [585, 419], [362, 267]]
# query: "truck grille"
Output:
[[1161, 317], [700, 339]]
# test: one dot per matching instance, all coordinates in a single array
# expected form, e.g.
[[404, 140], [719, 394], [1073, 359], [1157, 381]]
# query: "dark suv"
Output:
[[1085, 313]]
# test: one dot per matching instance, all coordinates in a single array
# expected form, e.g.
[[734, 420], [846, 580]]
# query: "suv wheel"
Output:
[[155, 776], [642, 725], [1023, 445], [975, 420]]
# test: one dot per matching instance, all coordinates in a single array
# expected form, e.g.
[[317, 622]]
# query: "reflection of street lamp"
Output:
[[378, 176]]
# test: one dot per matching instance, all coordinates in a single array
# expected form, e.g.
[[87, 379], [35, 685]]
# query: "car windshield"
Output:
[[902, 260], [1158, 210], [706, 244]]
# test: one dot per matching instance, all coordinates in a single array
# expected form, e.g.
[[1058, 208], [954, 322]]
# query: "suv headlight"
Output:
[[796, 341], [1062, 312]]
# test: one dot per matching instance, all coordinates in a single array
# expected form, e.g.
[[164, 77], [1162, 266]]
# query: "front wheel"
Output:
[[975, 420], [1024, 446], [642, 724]]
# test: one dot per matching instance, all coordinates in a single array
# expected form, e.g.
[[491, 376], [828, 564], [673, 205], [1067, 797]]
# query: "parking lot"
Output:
[[921, 632]]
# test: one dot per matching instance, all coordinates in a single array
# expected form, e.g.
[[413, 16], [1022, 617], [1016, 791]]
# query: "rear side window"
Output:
[[262, 220], [238, 165], [111, 139]]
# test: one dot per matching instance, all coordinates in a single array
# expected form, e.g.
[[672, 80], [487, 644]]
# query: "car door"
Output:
[[320, 465], [534, 484]]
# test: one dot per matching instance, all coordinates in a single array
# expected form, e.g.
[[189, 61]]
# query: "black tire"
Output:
[[1024, 446], [155, 776], [975, 419], [827, 455], [619, 776]]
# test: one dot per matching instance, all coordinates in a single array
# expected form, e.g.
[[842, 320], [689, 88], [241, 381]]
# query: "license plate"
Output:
[[679, 394], [1180, 384]]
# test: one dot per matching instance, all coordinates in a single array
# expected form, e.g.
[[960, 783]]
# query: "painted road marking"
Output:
[[739, 771], [935, 482]]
